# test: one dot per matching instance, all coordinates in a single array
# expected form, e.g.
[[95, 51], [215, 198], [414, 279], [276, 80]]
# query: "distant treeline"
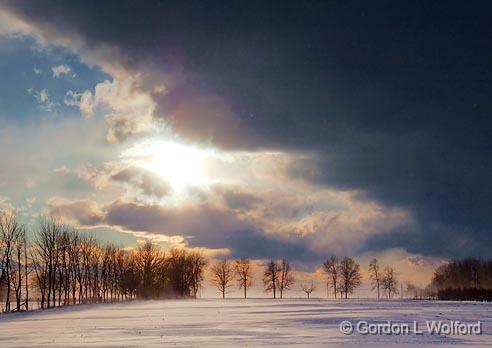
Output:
[[468, 279], [466, 294]]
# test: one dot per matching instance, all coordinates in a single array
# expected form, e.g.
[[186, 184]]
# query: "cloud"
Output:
[[82, 212], [228, 220], [128, 111], [402, 124], [149, 184], [137, 181], [204, 226], [240, 200], [37, 148], [44, 100], [84, 101], [62, 69]]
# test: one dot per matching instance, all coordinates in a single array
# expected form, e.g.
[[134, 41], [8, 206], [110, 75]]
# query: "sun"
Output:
[[180, 165]]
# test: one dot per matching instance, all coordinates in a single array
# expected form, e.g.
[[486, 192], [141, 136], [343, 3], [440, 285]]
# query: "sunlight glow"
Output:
[[178, 164]]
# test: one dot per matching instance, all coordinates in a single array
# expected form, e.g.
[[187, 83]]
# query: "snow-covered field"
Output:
[[233, 323]]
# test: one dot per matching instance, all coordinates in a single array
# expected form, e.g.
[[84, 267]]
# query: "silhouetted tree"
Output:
[[375, 275], [390, 284], [243, 272], [129, 277], [308, 287], [270, 277], [150, 268], [285, 279], [11, 233], [19, 273], [184, 271], [222, 274], [349, 275], [332, 268], [197, 267]]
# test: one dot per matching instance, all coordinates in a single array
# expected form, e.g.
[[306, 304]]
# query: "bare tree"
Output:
[[10, 234], [375, 275], [308, 287], [350, 275], [129, 278], [243, 272], [286, 279], [27, 270], [184, 272], [198, 264], [270, 277], [390, 283], [332, 268], [17, 272], [150, 263], [222, 275]]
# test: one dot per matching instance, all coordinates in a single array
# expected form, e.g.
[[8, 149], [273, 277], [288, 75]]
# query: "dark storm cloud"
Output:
[[394, 98], [256, 245]]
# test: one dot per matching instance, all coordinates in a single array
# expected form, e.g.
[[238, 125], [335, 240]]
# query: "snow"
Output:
[[237, 322]]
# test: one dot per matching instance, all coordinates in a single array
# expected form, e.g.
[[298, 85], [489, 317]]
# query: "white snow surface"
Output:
[[237, 323]]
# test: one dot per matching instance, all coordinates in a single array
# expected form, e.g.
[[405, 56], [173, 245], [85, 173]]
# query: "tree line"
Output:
[[60, 266], [467, 279], [277, 276], [342, 277], [63, 266]]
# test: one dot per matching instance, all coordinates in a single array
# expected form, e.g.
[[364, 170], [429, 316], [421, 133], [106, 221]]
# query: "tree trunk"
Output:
[[19, 279], [26, 273], [7, 301]]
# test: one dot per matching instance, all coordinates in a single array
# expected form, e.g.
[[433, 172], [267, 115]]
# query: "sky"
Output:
[[295, 130]]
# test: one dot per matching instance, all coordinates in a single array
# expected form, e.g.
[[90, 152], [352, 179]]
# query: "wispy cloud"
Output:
[[62, 69], [44, 100], [83, 100]]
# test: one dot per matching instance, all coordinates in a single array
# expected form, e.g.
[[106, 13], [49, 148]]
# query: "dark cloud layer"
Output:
[[393, 98], [203, 226]]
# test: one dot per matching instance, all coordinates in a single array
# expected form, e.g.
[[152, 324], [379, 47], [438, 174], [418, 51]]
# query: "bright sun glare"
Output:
[[180, 165]]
